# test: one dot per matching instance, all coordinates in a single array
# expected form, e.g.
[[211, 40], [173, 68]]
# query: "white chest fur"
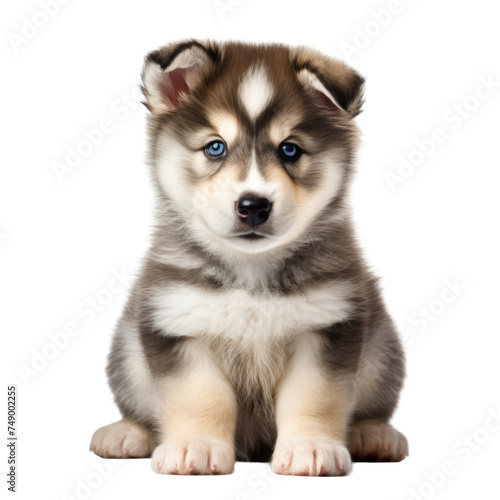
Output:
[[189, 310]]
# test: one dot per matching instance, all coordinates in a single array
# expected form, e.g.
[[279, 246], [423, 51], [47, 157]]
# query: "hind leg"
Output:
[[122, 439], [377, 440], [380, 379]]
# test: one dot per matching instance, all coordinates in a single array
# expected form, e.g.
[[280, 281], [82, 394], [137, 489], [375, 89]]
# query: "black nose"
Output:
[[253, 211]]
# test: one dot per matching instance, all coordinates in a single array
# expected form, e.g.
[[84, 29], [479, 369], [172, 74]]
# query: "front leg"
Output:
[[199, 418], [313, 407]]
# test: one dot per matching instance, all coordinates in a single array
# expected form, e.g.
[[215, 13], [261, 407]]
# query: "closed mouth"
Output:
[[250, 236]]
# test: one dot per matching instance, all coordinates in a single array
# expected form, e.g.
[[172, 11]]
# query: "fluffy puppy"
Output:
[[255, 330]]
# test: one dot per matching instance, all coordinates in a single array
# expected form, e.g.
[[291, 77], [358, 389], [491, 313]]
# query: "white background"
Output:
[[62, 240]]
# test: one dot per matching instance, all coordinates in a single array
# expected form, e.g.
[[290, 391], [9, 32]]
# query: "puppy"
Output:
[[255, 330]]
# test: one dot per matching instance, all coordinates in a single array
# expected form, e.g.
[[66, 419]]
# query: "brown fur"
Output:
[[204, 394]]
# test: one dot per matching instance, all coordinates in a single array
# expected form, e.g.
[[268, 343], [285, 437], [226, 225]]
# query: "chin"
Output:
[[253, 245]]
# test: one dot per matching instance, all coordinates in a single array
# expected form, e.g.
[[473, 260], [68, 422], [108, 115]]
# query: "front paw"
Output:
[[310, 456], [197, 455]]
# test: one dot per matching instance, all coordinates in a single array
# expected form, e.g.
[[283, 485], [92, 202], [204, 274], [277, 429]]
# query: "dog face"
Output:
[[251, 146]]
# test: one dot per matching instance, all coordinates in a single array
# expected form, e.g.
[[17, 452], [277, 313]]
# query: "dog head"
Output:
[[251, 145]]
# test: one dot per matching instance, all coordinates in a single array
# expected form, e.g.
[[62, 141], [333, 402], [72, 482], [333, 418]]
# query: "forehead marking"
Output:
[[255, 91]]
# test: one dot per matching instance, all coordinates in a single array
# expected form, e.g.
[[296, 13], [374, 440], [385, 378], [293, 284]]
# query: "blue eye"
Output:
[[215, 149], [290, 151]]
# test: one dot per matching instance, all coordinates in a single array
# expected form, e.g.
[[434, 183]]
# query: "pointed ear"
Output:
[[340, 87], [172, 73]]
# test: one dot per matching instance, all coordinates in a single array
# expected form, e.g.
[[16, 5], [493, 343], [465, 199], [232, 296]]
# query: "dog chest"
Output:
[[189, 310]]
